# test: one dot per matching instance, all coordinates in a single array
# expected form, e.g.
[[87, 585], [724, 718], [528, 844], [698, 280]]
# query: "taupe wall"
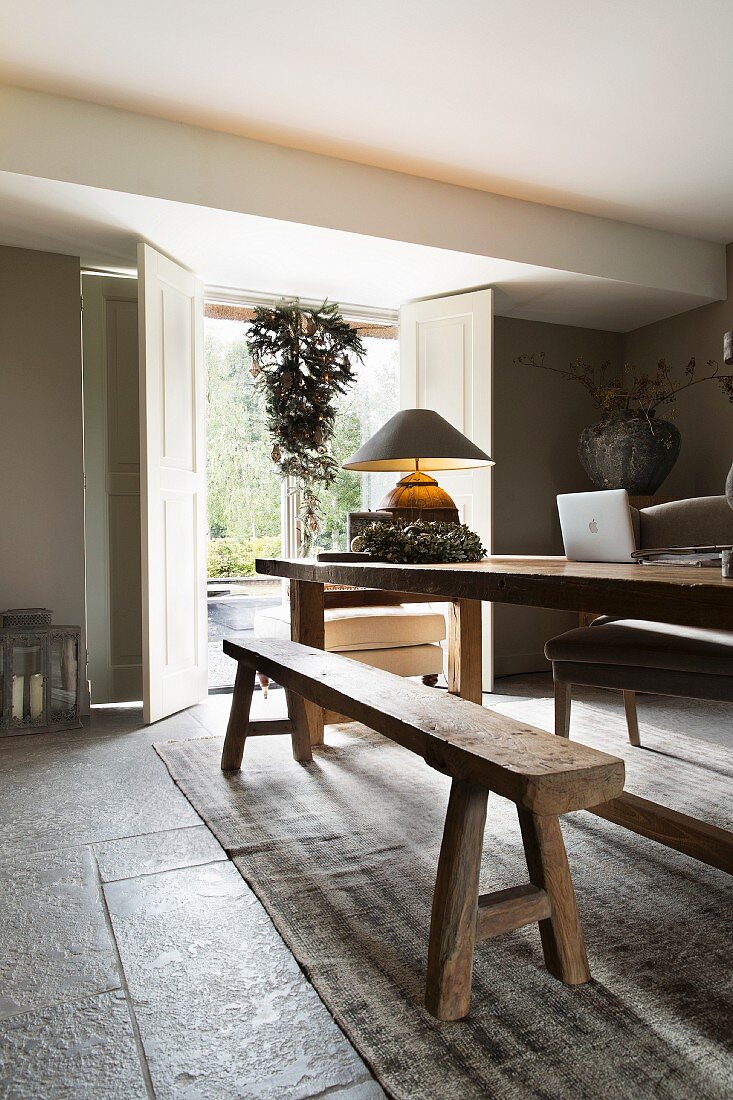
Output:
[[705, 416], [41, 440], [537, 418]]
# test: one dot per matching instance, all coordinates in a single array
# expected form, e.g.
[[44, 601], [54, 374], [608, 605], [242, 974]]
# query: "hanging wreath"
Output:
[[302, 359]]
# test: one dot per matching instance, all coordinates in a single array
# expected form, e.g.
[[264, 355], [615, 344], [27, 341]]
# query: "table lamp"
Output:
[[418, 440]]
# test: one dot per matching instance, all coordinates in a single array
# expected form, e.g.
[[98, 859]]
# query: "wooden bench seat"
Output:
[[482, 752]]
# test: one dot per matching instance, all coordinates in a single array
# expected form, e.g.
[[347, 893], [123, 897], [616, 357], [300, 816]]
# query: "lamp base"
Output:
[[418, 496]]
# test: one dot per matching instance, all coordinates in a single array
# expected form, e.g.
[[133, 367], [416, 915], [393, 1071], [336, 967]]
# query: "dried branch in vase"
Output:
[[632, 389]]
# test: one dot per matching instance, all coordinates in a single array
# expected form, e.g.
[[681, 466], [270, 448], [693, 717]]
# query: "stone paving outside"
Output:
[[235, 612]]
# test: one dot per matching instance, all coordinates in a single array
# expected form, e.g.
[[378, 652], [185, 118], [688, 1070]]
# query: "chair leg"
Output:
[[300, 735], [561, 934], [563, 701], [264, 683], [430, 681], [244, 685], [455, 903], [632, 721]]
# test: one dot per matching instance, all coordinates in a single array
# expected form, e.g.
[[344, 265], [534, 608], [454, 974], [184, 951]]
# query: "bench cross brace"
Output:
[[239, 728]]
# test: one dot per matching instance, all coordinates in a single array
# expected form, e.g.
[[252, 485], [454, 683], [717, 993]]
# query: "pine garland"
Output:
[[302, 359], [419, 543]]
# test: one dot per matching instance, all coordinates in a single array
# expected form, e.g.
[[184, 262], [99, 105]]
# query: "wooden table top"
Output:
[[681, 594]]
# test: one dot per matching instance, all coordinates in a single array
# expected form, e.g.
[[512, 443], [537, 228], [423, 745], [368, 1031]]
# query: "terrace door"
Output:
[[446, 365], [172, 485]]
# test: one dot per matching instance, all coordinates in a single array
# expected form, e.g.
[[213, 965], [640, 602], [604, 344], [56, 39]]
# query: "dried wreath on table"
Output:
[[303, 359], [419, 543]]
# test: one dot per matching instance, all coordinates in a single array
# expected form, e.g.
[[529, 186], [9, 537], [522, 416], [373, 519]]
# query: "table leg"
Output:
[[307, 627], [464, 650]]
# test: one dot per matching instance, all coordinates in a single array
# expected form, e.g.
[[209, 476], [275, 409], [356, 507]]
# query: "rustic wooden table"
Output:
[[674, 594]]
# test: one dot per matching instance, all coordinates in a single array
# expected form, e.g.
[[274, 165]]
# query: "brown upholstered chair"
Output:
[[632, 655]]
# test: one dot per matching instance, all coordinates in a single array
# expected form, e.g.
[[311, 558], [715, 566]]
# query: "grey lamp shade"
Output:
[[418, 435]]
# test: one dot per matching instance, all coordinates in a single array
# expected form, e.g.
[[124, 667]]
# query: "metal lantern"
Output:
[[40, 676]]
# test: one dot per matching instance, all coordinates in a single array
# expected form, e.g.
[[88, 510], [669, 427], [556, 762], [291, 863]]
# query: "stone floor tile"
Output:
[[80, 1051], [222, 1006], [165, 851], [61, 790], [117, 718], [364, 1090], [213, 713], [54, 940]]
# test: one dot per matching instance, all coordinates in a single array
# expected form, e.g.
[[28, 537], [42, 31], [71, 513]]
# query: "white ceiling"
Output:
[[229, 249], [614, 107]]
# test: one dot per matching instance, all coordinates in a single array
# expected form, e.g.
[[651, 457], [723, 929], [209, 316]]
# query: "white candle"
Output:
[[36, 696], [68, 666], [18, 687]]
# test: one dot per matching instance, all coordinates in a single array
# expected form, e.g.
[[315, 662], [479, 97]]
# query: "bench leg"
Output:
[[231, 757], [455, 901], [301, 728], [561, 934]]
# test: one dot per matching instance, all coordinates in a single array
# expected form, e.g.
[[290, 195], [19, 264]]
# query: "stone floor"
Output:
[[134, 960]]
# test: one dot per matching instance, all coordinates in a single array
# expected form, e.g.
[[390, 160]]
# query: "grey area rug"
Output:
[[343, 853]]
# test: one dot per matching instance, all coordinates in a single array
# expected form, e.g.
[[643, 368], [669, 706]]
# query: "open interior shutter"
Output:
[[172, 485], [446, 365]]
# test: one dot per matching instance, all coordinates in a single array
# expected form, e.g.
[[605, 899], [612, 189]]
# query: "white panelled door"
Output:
[[446, 365], [172, 484]]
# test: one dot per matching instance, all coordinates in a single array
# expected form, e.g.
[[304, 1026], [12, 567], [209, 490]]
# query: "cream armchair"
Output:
[[393, 631]]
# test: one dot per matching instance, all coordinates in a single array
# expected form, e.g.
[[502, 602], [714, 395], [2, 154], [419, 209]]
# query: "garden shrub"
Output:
[[236, 557]]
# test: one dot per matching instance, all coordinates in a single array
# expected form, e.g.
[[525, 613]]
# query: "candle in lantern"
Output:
[[18, 688], [36, 696]]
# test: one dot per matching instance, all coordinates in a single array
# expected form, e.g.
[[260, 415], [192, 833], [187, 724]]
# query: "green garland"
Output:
[[420, 542], [302, 360]]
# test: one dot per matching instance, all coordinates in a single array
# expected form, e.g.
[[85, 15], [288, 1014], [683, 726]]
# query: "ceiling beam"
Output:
[[53, 137]]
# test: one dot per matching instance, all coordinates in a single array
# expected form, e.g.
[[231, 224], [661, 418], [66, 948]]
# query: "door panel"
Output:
[[446, 365], [124, 594], [112, 498], [173, 486]]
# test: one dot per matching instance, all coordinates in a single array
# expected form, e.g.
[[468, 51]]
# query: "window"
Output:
[[243, 486]]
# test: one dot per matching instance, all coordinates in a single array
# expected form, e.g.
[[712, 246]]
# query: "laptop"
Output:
[[597, 526]]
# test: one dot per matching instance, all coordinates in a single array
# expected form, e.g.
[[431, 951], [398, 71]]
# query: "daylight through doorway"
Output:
[[244, 489]]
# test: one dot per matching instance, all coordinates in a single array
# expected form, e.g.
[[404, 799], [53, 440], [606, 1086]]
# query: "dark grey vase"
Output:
[[627, 451]]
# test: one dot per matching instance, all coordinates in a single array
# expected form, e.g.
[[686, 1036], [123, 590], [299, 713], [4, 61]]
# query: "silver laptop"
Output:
[[597, 526]]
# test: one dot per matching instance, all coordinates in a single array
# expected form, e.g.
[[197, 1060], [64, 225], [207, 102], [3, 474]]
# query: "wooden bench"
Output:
[[481, 751]]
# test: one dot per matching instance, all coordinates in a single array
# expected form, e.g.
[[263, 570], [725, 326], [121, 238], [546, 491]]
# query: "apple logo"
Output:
[[593, 527]]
